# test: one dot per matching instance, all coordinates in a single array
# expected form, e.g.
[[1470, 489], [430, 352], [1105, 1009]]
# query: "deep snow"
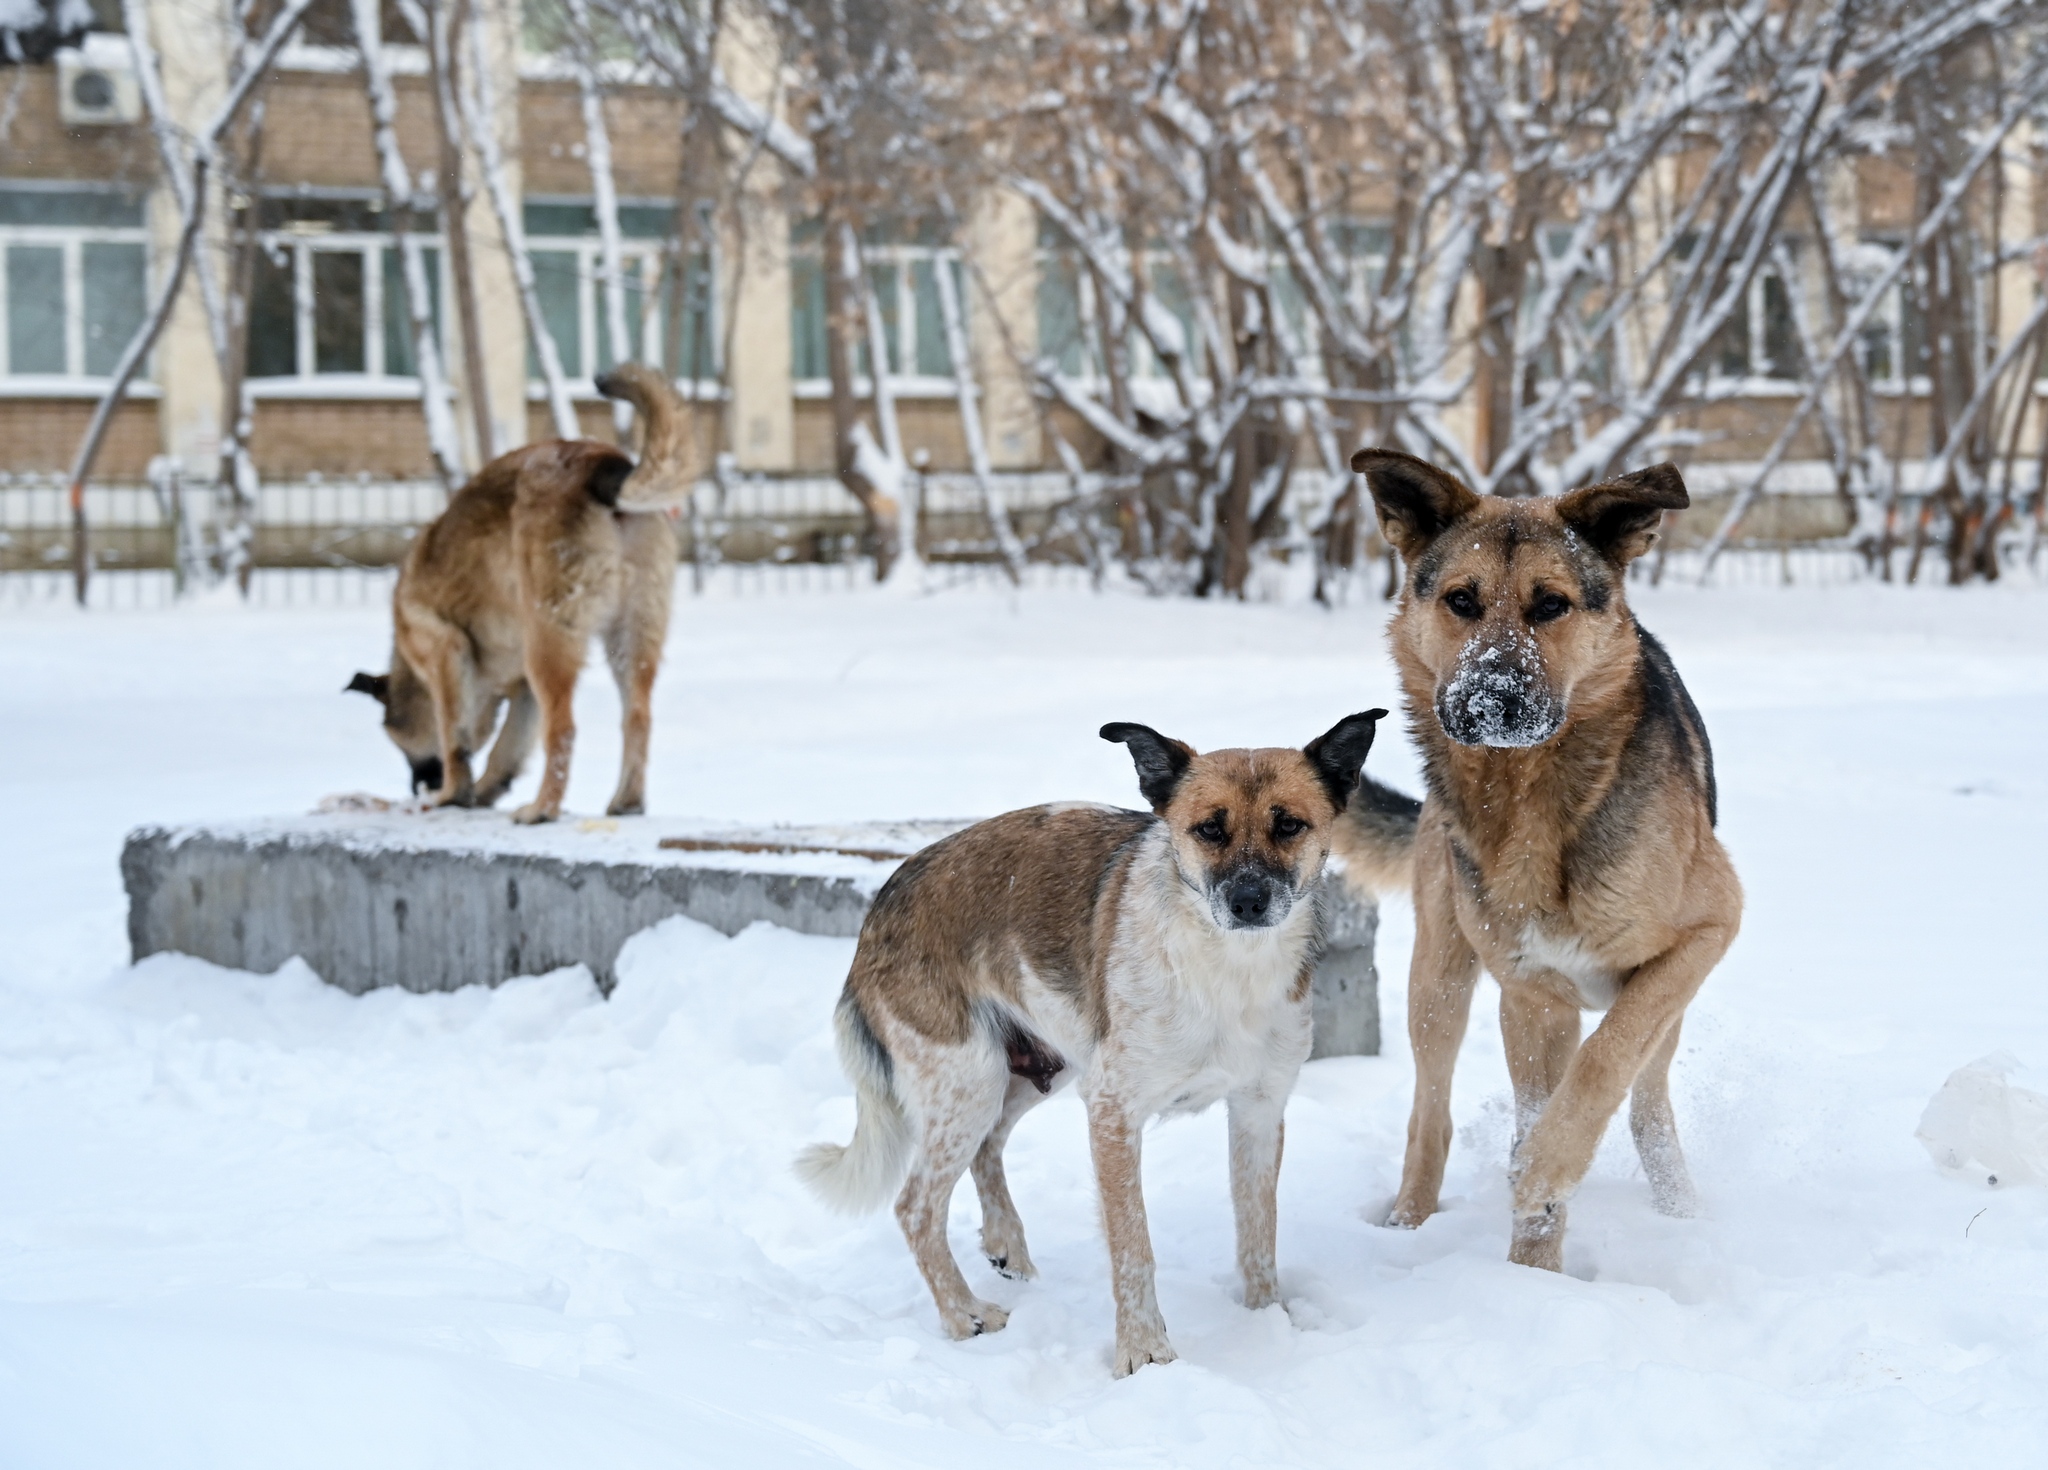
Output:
[[247, 1220]]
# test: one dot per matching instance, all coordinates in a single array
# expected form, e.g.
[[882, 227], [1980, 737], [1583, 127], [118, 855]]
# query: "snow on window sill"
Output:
[[60, 385], [914, 387], [583, 390], [352, 386]]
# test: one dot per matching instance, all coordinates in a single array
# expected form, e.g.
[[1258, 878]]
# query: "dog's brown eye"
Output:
[[1212, 830], [1287, 825], [1461, 601], [1549, 607]]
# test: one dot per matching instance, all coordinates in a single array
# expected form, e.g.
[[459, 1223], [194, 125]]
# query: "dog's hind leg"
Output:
[[510, 750], [957, 1095], [1002, 1230], [1441, 978], [1656, 1133], [554, 658], [634, 657]]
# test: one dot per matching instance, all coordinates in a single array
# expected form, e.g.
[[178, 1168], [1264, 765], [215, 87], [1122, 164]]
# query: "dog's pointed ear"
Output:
[[1619, 517], [377, 686], [1161, 762], [1415, 500], [1338, 754]]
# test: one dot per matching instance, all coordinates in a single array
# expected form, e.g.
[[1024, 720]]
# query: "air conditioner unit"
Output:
[[96, 87]]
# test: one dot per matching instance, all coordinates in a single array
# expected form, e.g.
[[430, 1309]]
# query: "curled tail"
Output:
[[666, 472], [1376, 838], [864, 1174]]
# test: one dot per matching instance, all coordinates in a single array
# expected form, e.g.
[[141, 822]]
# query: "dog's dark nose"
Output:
[[1249, 899], [426, 775]]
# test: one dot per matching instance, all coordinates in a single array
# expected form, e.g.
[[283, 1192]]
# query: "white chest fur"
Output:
[[1597, 982], [1197, 1012]]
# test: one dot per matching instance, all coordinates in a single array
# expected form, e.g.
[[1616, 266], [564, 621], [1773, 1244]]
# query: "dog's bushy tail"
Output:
[[666, 472], [1376, 838], [863, 1175]]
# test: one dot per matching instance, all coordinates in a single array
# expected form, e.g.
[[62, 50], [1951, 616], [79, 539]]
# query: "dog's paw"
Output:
[[1539, 1240], [1135, 1350], [978, 1320], [1014, 1264], [1408, 1214], [634, 808], [533, 814], [1674, 1197]]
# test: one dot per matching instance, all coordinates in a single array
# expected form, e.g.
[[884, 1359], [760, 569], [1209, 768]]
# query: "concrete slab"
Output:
[[431, 901]]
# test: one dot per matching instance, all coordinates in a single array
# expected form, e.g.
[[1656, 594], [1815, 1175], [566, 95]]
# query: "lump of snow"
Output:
[[1980, 1123]]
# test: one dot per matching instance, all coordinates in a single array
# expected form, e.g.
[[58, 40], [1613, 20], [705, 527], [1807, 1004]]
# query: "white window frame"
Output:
[[903, 257], [71, 240], [373, 382], [637, 254]]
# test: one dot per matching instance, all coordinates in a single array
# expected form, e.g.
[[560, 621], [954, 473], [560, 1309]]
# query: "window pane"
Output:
[[114, 304], [558, 285], [1729, 354], [1171, 292], [1781, 332], [933, 360], [608, 355], [273, 320], [690, 348], [338, 311], [107, 208], [807, 316], [883, 282], [400, 360], [35, 309], [1059, 314]]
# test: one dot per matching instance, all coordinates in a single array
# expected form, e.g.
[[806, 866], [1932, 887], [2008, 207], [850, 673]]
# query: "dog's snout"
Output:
[[1499, 695], [1249, 898], [426, 775]]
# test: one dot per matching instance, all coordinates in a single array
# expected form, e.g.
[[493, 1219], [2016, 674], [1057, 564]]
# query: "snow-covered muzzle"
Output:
[[1499, 693], [1251, 896]]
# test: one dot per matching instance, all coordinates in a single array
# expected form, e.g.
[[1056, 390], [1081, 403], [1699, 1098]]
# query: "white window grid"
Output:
[[301, 246], [642, 261], [901, 261], [72, 241]]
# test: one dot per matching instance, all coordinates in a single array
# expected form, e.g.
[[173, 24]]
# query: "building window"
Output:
[[73, 281], [328, 296], [1068, 314], [903, 265], [1894, 338], [671, 324]]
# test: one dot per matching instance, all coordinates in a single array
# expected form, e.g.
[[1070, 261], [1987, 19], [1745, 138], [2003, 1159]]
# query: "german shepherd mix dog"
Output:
[[1161, 961], [1566, 841], [499, 598]]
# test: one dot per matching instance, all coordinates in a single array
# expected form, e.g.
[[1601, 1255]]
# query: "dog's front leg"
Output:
[[1113, 1137], [1559, 1148], [1257, 1134]]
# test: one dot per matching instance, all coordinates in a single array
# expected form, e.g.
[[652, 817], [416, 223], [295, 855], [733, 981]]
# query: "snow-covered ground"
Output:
[[247, 1220]]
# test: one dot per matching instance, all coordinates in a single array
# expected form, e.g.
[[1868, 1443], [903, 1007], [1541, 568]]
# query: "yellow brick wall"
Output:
[[298, 437], [38, 146], [41, 435]]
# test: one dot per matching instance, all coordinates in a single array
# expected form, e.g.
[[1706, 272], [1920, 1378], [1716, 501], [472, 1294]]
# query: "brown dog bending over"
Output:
[[1161, 962], [1566, 841], [499, 598]]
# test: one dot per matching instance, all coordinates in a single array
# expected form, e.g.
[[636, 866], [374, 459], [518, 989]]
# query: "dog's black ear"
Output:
[[1161, 762], [377, 686], [1415, 499], [1619, 517], [1338, 754]]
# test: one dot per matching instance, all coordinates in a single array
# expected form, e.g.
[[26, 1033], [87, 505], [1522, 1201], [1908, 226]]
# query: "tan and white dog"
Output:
[[1159, 961]]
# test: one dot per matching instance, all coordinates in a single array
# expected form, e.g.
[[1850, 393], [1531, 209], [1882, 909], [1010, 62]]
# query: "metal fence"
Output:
[[338, 542]]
